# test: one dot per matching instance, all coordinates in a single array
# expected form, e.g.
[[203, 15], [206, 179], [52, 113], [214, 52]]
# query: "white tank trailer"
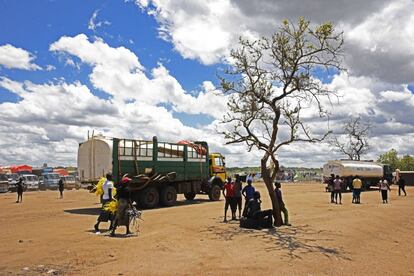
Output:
[[94, 159], [369, 172]]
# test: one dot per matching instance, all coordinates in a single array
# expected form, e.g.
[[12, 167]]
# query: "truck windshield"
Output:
[[218, 161], [3, 177], [51, 176]]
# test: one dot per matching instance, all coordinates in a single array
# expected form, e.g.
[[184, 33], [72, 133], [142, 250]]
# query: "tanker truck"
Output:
[[158, 170], [370, 172]]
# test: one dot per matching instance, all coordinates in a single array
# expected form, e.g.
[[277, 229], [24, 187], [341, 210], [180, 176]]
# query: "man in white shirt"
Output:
[[105, 216]]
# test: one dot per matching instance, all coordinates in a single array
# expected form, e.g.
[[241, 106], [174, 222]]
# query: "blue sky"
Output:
[[148, 67], [34, 25]]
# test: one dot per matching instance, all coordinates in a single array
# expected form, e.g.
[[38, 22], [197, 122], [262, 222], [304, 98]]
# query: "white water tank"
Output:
[[348, 168], [94, 158]]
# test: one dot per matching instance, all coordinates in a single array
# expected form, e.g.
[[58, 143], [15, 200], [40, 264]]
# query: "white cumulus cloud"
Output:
[[18, 58]]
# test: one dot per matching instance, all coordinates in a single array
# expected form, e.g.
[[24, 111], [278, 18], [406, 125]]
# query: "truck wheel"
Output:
[[215, 193], [168, 196], [149, 198], [189, 195]]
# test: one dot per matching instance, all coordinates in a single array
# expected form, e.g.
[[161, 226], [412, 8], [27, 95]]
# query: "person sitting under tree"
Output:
[[255, 217]]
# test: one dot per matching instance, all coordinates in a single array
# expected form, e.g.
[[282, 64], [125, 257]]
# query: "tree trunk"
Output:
[[269, 185]]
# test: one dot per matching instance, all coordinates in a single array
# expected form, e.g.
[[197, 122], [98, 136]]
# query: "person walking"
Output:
[[338, 189], [282, 205], [357, 186], [124, 203], [20, 188], [104, 215], [61, 187], [238, 194], [384, 187], [228, 193], [401, 186]]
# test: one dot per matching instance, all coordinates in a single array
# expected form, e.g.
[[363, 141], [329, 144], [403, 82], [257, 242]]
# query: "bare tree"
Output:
[[271, 80], [354, 140]]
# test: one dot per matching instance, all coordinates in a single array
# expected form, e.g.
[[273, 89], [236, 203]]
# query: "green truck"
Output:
[[161, 170]]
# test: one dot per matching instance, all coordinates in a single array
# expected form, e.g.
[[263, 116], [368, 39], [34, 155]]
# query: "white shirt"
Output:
[[383, 185], [106, 186]]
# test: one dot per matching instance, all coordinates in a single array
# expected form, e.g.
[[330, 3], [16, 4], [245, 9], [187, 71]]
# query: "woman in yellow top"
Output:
[[357, 186]]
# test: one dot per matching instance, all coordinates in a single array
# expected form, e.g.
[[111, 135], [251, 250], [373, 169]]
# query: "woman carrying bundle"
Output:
[[124, 203]]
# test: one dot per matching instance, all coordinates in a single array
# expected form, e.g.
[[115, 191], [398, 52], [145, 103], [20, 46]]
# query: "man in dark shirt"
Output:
[[61, 187], [20, 188], [124, 203], [247, 192], [331, 187], [401, 186], [282, 206], [238, 194]]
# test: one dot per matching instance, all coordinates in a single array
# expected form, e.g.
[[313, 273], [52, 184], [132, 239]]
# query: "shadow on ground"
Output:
[[95, 210], [295, 241]]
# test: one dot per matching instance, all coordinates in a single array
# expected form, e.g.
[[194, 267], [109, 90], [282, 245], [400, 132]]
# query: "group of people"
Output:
[[251, 216], [20, 189], [335, 185], [119, 216]]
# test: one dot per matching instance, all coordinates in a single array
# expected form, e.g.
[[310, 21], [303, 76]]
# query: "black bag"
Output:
[[249, 223]]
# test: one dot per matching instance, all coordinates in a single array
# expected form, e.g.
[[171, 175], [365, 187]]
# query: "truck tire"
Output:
[[214, 193], [149, 198], [189, 195], [168, 196]]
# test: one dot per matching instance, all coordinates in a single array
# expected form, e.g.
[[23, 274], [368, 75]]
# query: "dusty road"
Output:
[[46, 234]]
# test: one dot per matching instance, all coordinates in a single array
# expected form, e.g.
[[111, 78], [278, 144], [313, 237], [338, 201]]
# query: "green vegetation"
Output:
[[405, 163]]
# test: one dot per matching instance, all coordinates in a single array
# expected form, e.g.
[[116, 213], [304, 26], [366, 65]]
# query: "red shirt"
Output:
[[229, 187]]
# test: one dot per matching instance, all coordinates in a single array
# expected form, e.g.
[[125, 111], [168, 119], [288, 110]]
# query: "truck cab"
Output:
[[13, 178], [49, 181], [4, 183], [31, 181], [217, 166]]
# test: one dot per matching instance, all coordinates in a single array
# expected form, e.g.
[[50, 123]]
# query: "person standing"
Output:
[[238, 194], [357, 186], [282, 205], [401, 186], [247, 192], [104, 215], [384, 187], [228, 193], [338, 189], [61, 187], [331, 187], [20, 188]]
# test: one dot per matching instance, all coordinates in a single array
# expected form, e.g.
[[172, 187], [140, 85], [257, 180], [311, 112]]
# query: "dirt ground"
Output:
[[51, 236]]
